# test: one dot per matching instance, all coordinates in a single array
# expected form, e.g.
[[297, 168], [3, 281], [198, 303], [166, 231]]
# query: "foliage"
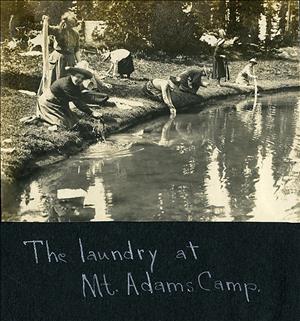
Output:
[[128, 23], [21, 13], [55, 9], [91, 10], [170, 26], [171, 29]]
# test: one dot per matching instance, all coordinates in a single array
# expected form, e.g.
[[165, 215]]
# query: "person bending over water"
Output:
[[121, 62], [188, 81], [247, 73], [53, 104], [93, 87], [160, 89]]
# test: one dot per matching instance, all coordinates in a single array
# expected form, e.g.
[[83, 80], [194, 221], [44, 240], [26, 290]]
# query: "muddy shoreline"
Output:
[[25, 149]]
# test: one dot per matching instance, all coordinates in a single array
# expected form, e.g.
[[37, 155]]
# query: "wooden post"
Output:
[[255, 94], [255, 91], [45, 50], [12, 27]]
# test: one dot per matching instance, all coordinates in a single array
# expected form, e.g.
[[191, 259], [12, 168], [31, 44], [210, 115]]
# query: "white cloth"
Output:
[[119, 54]]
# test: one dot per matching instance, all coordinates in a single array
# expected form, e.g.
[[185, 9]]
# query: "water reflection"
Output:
[[228, 163]]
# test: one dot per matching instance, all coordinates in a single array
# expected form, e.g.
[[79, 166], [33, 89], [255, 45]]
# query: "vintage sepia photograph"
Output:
[[147, 111]]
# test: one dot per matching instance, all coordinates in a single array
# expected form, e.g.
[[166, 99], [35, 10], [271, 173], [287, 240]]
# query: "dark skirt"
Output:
[[125, 66], [50, 110], [220, 68]]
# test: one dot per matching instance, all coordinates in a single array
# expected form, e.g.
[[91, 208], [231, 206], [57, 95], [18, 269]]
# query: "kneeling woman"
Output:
[[53, 104]]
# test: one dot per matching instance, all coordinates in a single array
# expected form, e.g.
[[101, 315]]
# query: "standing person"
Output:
[[220, 65], [66, 46], [121, 62], [53, 106], [247, 73]]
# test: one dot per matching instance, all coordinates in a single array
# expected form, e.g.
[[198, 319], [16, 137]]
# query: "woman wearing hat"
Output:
[[92, 92], [121, 62], [220, 65], [53, 104], [247, 73]]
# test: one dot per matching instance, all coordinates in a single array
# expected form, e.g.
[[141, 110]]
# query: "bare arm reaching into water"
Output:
[[165, 88]]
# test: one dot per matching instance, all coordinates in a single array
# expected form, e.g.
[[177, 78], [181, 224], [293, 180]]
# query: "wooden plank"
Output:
[[45, 50]]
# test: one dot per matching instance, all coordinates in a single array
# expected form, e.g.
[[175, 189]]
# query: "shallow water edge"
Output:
[[139, 110]]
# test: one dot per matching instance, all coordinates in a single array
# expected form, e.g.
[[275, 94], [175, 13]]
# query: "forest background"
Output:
[[172, 27]]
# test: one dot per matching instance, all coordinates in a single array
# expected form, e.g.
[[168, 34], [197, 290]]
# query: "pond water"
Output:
[[228, 162]]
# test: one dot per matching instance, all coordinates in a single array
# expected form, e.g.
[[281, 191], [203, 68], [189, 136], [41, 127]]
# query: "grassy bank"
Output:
[[28, 147]]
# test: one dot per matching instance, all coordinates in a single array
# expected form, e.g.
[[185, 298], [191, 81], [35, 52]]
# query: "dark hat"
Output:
[[75, 70], [175, 80]]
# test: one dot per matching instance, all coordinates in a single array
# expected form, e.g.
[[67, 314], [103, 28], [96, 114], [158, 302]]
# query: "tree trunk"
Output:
[[282, 17], [269, 13], [288, 16], [232, 17]]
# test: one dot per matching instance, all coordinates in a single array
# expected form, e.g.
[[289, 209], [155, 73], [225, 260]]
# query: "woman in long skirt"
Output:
[[66, 47], [220, 65]]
